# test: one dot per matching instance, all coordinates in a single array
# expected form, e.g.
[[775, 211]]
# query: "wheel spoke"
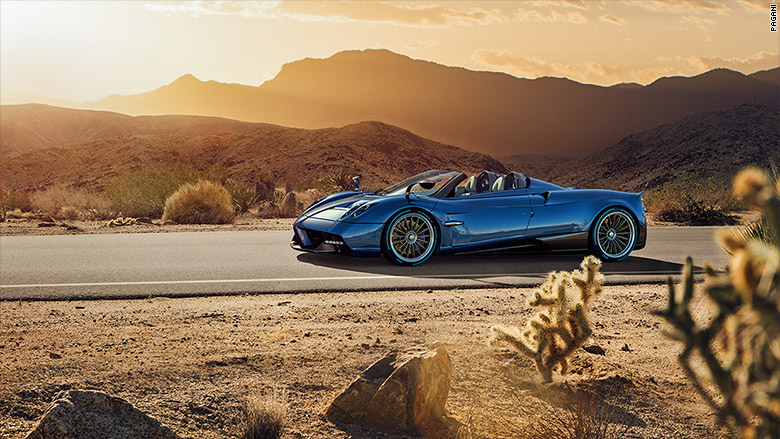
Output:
[[615, 234], [411, 237]]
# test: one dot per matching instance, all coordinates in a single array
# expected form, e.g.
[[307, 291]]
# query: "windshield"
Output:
[[438, 176]]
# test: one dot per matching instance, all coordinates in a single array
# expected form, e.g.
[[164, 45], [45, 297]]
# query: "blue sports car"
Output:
[[446, 212]]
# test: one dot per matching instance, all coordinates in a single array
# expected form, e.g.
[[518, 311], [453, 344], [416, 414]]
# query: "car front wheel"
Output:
[[410, 238], [613, 235]]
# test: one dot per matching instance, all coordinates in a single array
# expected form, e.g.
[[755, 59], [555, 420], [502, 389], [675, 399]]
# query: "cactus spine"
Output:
[[740, 346], [560, 325]]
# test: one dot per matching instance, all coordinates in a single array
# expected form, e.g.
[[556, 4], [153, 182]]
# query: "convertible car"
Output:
[[446, 212]]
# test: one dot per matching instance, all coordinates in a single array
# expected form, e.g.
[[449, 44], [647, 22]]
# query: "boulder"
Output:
[[78, 414], [404, 391]]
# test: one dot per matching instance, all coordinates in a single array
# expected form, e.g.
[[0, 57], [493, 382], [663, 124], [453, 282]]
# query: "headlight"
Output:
[[357, 210]]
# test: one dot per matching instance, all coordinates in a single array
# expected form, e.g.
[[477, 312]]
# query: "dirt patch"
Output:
[[31, 227], [191, 362]]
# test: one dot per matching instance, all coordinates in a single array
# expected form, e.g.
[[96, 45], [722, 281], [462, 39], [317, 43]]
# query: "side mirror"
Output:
[[425, 184], [356, 181]]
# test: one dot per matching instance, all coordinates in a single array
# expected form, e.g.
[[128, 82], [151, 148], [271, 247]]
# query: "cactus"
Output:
[[560, 325], [739, 375]]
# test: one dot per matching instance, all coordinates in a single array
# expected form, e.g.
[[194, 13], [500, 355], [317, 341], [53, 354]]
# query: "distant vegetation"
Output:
[[146, 193], [143, 193], [693, 198]]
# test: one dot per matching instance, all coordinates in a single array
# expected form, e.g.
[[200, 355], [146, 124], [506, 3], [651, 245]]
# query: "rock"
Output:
[[625, 348], [404, 391], [594, 349], [78, 414]]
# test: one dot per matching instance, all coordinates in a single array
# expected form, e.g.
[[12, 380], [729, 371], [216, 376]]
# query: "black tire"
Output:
[[410, 238], [613, 234]]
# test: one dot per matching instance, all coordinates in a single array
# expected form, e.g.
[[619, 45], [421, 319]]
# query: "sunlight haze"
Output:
[[84, 51]]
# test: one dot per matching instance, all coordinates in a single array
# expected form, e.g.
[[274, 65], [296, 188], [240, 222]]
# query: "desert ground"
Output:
[[191, 362], [32, 226]]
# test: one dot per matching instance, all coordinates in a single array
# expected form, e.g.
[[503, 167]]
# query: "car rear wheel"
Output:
[[613, 235], [410, 238]]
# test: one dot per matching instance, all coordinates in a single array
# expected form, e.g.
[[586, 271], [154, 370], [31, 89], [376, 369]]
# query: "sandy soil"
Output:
[[35, 227], [191, 362]]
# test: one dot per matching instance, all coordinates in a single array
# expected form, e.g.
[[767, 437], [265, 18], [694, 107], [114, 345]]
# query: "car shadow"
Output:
[[493, 265]]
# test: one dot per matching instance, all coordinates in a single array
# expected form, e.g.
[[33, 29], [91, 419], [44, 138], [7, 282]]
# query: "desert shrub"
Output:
[[281, 204], [98, 208], [143, 193], [63, 202], [264, 417], [693, 198], [739, 346], [265, 185], [582, 414], [335, 180], [13, 200], [68, 213], [203, 202], [243, 195], [560, 325]]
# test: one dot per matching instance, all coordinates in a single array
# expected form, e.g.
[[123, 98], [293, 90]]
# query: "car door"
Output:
[[487, 218]]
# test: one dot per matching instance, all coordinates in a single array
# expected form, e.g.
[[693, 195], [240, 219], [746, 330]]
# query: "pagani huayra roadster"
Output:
[[443, 212]]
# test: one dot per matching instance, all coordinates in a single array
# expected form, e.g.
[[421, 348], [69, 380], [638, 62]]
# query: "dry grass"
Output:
[[579, 414], [11, 200], [143, 193], [276, 207], [67, 203], [264, 416], [203, 202]]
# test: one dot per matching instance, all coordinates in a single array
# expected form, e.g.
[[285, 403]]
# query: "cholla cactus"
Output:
[[560, 326], [740, 346]]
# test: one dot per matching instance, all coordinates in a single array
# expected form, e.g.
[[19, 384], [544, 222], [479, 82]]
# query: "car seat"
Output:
[[498, 185]]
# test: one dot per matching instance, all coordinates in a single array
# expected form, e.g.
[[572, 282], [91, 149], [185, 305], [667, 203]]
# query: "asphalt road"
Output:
[[190, 264]]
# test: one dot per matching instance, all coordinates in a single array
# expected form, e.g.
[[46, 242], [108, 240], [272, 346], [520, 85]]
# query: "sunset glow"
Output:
[[83, 51]]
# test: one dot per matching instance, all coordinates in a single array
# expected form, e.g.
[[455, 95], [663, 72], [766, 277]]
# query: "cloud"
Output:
[[422, 44], [755, 6], [533, 15], [683, 6], [400, 14], [698, 22], [749, 64], [614, 20], [579, 4], [266, 9], [586, 73]]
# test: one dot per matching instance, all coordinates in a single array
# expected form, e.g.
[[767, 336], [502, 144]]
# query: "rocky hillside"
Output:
[[488, 112], [29, 127], [717, 144], [380, 153]]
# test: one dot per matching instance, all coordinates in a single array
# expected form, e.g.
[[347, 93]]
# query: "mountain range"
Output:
[[486, 112], [716, 144], [378, 152], [29, 127]]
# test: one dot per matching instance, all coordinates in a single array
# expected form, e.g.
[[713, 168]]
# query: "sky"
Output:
[[83, 51]]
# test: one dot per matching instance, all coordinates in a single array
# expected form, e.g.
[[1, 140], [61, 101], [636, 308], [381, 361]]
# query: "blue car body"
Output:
[[536, 216]]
